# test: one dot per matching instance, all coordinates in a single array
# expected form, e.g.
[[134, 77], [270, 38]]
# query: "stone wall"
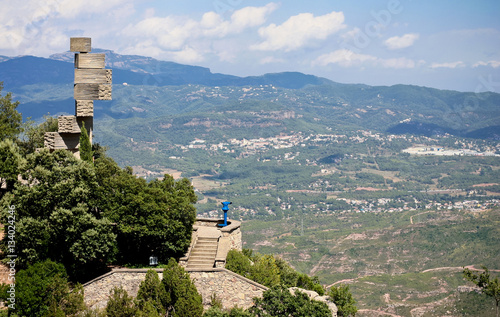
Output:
[[234, 237], [231, 288], [98, 290]]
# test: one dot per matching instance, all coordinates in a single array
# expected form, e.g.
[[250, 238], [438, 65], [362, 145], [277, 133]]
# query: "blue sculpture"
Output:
[[225, 209]]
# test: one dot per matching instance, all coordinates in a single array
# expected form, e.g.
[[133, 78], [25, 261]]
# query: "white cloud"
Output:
[[44, 27], [251, 16], [187, 55], [348, 58], [343, 57], [299, 30], [448, 65], [399, 42], [213, 25], [494, 64], [349, 35], [271, 60], [398, 63], [186, 39], [75, 8]]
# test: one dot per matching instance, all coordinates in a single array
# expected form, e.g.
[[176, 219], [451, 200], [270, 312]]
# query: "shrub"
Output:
[[120, 304], [152, 294], [183, 297], [342, 297]]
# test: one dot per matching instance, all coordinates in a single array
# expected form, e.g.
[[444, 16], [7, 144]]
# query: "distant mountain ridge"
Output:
[[148, 88], [138, 70]]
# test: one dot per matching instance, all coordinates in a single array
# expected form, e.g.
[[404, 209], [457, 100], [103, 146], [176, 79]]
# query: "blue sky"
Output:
[[447, 44]]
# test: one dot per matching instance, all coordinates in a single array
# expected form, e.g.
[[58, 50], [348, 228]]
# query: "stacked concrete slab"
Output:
[[92, 82]]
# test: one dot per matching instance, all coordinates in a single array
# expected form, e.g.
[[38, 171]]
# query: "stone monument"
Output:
[[92, 82]]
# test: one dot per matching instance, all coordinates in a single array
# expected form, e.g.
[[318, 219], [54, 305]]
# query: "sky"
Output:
[[445, 44]]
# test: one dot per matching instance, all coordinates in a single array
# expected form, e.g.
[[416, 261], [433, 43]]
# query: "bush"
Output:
[[269, 271], [238, 263], [152, 295], [120, 304], [278, 301], [234, 312], [342, 297], [265, 271], [43, 289], [183, 297]]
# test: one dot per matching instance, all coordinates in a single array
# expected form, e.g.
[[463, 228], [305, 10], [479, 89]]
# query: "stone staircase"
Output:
[[203, 253]]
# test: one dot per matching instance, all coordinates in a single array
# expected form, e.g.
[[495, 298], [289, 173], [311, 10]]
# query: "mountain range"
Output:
[[147, 87], [138, 70]]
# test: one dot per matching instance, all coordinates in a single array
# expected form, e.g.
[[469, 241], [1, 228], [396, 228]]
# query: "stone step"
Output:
[[200, 264], [204, 252], [206, 241], [208, 238], [201, 258], [205, 244], [205, 249], [196, 260]]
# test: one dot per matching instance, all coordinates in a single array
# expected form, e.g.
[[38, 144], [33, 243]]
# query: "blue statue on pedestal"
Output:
[[225, 209]]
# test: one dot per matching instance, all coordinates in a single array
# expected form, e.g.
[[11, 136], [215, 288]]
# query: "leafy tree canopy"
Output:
[[152, 295], [34, 135], [184, 299], [269, 270], [10, 118], [234, 312], [154, 218], [342, 297], [42, 289], [86, 153], [120, 304], [279, 302], [10, 161], [57, 216]]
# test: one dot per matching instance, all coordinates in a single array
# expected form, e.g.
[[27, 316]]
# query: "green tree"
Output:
[[42, 289], [234, 312], [10, 118], [149, 309], [183, 297], [120, 304], [237, 262], [153, 218], [279, 302], [86, 153], [152, 294], [265, 271], [10, 162], [342, 297], [269, 270], [34, 135], [306, 282], [489, 286], [57, 216]]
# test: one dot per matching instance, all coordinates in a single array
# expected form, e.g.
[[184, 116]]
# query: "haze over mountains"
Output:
[[44, 85]]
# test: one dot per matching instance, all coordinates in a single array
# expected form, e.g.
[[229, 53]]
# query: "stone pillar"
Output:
[[92, 82]]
